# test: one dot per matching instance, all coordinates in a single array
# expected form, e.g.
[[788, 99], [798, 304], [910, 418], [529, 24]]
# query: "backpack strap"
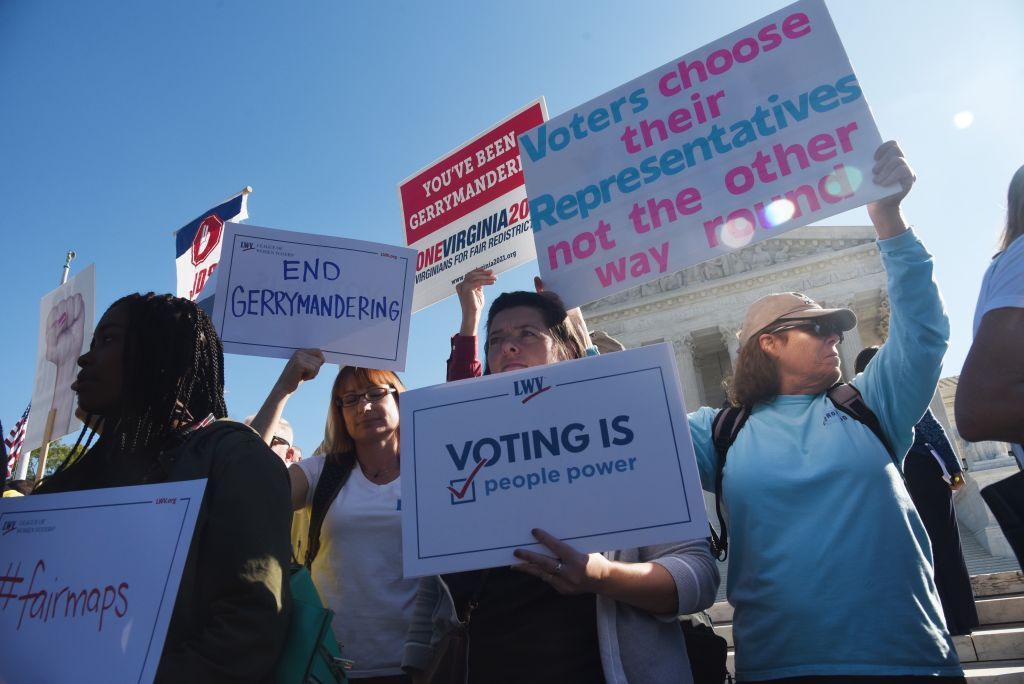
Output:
[[848, 399], [726, 425], [332, 478]]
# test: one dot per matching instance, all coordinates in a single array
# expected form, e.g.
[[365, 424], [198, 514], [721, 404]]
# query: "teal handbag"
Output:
[[311, 654]]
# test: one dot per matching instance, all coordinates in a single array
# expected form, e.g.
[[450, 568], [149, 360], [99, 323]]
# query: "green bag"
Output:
[[311, 654]]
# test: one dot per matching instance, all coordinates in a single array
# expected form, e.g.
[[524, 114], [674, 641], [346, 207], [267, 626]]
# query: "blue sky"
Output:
[[121, 121]]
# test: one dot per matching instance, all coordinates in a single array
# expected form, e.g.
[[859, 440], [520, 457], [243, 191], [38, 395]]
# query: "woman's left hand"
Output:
[[569, 571]]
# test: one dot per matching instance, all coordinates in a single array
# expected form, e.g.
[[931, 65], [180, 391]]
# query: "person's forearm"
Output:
[[990, 391], [888, 221], [269, 414], [988, 408], [647, 586], [470, 324]]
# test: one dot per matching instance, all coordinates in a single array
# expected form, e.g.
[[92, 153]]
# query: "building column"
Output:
[[688, 378], [732, 343]]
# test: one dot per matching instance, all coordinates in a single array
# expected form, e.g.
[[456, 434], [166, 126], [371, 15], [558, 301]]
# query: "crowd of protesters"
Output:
[[854, 515]]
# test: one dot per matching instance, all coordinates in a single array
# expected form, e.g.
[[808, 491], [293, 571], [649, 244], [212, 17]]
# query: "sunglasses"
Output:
[[279, 441], [823, 329]]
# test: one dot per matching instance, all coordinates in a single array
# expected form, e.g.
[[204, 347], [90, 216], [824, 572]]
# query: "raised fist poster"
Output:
[[67, 317]]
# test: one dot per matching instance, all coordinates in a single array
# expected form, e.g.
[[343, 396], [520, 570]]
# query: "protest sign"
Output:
[[278, 291], [469, 209], [596, 451], [91, 577], [66, 321], [198, 245], [762, 131]]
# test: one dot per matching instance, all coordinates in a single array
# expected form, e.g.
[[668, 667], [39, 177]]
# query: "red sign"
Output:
[[207, 238], [467, 178]]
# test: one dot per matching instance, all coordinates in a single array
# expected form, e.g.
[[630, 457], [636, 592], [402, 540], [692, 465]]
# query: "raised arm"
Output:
[[463, 362], [899, 382], [891, 169], [302, 366]]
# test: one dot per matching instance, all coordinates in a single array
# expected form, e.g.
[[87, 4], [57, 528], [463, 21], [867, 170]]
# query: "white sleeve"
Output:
[[311, 467], [1005, 285]]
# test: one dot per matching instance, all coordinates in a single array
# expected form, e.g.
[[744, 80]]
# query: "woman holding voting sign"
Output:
[[152, 385], [354, 490], [561, 615], [830, 564]]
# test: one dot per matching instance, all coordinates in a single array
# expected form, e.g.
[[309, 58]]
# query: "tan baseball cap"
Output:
[[789, 306]]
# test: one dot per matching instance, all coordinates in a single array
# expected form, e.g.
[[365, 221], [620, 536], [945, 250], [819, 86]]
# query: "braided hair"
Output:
[[173, 376]]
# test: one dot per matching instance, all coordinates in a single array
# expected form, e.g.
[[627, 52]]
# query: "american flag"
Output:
[[16, 439]]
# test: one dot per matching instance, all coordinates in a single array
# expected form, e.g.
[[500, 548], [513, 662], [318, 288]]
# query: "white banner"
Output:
[[66, 322], [596, 451], [278, 291], [469, 209], [760, 132], [89, 580]]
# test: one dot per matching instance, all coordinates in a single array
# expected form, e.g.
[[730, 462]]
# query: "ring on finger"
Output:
[[558, 568]]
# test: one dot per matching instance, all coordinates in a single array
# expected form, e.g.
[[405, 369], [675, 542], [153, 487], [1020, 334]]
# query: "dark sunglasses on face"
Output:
[[372, 395], [279, 441], [822, 329]]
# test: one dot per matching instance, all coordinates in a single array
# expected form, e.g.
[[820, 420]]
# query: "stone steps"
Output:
[[995, 672], [992, 654]]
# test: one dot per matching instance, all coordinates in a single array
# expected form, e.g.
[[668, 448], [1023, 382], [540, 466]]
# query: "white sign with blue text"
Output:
[[764, 130], [88, 580], [595, 451], [278, 291]]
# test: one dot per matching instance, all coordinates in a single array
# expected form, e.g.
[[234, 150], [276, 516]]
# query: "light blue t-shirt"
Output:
[[830, 567]]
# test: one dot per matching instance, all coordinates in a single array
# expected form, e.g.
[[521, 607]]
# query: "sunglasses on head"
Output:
[[819, 328]]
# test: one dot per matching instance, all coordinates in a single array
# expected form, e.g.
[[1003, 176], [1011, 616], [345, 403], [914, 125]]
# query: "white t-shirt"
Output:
[[358, 571], [1003, 287]]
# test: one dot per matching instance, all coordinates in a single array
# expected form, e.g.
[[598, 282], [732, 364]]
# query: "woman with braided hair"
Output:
[[152, 386]]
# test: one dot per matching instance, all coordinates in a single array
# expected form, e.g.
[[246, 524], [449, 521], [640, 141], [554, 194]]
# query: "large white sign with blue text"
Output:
[[278, 291], [757, 133], [88, 580], [595, 451]]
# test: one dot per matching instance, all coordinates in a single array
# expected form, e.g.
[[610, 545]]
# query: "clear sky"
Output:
[[121, 121]]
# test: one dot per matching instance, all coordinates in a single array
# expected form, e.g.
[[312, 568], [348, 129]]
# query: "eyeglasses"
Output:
[[372, 395], [279, 441], [822, 329], [525, 337]]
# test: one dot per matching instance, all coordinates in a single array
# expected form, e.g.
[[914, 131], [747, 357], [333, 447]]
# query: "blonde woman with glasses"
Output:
[[355, 547]]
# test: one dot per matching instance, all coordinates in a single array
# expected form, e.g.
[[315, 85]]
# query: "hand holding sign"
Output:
[[304, 365], [644, 585], [569, 572], [471, 298], [890, 168]]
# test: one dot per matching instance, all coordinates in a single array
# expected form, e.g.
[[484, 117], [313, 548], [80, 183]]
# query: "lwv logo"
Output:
[[530, 387]]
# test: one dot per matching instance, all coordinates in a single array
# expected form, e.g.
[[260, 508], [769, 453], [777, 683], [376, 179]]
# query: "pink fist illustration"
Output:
[[65, 328]]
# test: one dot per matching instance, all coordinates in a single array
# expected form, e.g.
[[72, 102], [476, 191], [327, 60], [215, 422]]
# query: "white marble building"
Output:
[[700, 308]]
